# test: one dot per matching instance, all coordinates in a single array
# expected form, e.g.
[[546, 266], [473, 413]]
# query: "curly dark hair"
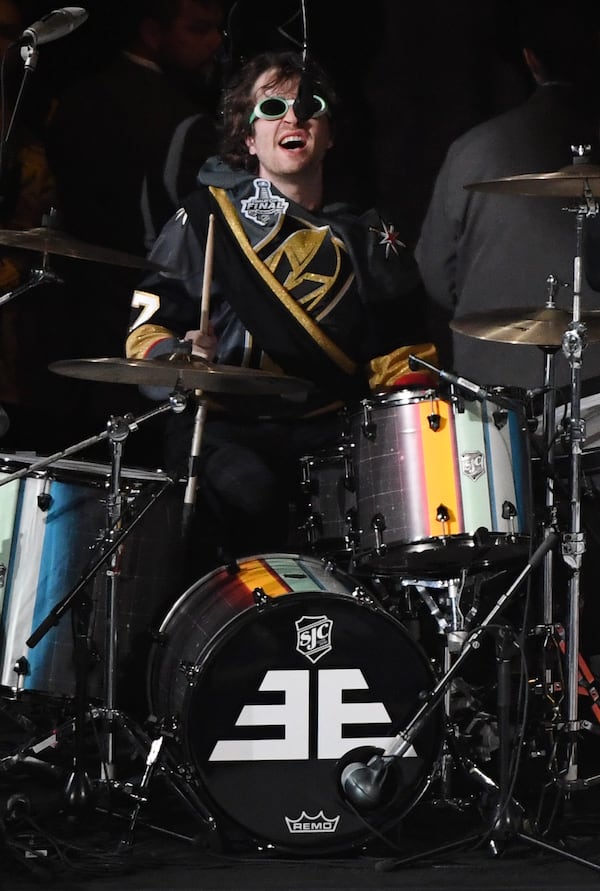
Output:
[[239, 100]]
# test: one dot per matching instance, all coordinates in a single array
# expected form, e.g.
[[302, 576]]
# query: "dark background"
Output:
[[412, 77]]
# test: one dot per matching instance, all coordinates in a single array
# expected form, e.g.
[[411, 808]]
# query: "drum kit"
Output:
[[292, 697]]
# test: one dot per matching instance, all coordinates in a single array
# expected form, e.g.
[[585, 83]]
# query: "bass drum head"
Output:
[[273, 699]]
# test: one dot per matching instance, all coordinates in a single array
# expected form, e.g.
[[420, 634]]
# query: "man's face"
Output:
[[286, 146], [193, 38]]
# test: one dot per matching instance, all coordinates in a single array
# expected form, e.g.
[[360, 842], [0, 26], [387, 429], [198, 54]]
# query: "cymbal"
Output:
[[568, 182], [538, 327], [189, 373], [51, 241]]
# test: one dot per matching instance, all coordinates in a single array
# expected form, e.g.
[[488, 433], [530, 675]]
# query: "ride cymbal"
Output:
[[534, 326], [189, 373], [51, 241], [574, 181]]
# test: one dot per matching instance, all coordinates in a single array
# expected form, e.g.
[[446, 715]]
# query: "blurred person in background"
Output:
[[481, 252], [125, 145], [26, 195]]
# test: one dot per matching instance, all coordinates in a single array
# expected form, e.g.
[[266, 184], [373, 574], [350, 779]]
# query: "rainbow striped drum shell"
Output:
[[440, 484]]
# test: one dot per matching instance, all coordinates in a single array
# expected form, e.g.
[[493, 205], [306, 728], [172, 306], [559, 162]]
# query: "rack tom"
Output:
[[441, 483]]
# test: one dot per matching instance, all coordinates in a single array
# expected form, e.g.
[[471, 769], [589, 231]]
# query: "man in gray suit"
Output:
[[484, 252], [481, 252]]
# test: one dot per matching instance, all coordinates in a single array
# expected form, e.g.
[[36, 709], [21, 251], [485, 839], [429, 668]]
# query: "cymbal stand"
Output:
[[573, 546], [545, 630], [549, 427], [78, 794], [118, 430], [78, 790], [117, 433]]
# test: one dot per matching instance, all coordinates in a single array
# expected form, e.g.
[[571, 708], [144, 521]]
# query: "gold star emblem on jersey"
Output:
[[388, 237]]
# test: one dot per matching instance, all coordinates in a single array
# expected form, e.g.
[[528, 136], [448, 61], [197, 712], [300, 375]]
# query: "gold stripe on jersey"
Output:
[[334, 352], [384, 371]]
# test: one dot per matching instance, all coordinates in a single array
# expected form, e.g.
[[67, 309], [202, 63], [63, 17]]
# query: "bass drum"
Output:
[[271, 673]]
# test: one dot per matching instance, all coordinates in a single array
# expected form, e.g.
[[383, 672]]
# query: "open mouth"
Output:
[[292, 142]]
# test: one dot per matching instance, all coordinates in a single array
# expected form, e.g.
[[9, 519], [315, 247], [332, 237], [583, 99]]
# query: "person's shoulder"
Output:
[[370, 227], [342, 210], [488, 130], [541, 103], [217, 173], [96, 85]]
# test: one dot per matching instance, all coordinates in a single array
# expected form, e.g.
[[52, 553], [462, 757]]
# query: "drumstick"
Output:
[[189, 498], [207, 278]]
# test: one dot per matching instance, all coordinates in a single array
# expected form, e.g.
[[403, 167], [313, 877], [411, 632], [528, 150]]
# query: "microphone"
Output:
[[362, 781], [473, 388], [55, 24], [303, 103]]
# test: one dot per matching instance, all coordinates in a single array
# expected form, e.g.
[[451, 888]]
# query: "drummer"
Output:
[[318, 293]]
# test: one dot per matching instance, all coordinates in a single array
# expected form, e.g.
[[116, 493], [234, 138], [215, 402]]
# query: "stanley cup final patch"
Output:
[[263, 205]]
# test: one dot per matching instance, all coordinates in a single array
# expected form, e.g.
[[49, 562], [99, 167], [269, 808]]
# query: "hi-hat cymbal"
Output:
[[51, 241], [574, 181], [538, 327], [189, 373]]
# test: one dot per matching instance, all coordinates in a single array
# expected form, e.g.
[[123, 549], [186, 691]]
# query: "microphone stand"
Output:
[[36, 277], [30, 55], [373, 774], [507, 813], [467, 386], [362, 784], [176, 403]]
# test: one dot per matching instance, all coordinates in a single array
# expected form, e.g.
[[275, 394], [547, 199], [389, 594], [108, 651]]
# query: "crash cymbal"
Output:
[[189, 373], [538, 327], [51, 241], [568, 182]]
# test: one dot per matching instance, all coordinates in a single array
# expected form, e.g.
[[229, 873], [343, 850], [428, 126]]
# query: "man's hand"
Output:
[[203, 345]]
